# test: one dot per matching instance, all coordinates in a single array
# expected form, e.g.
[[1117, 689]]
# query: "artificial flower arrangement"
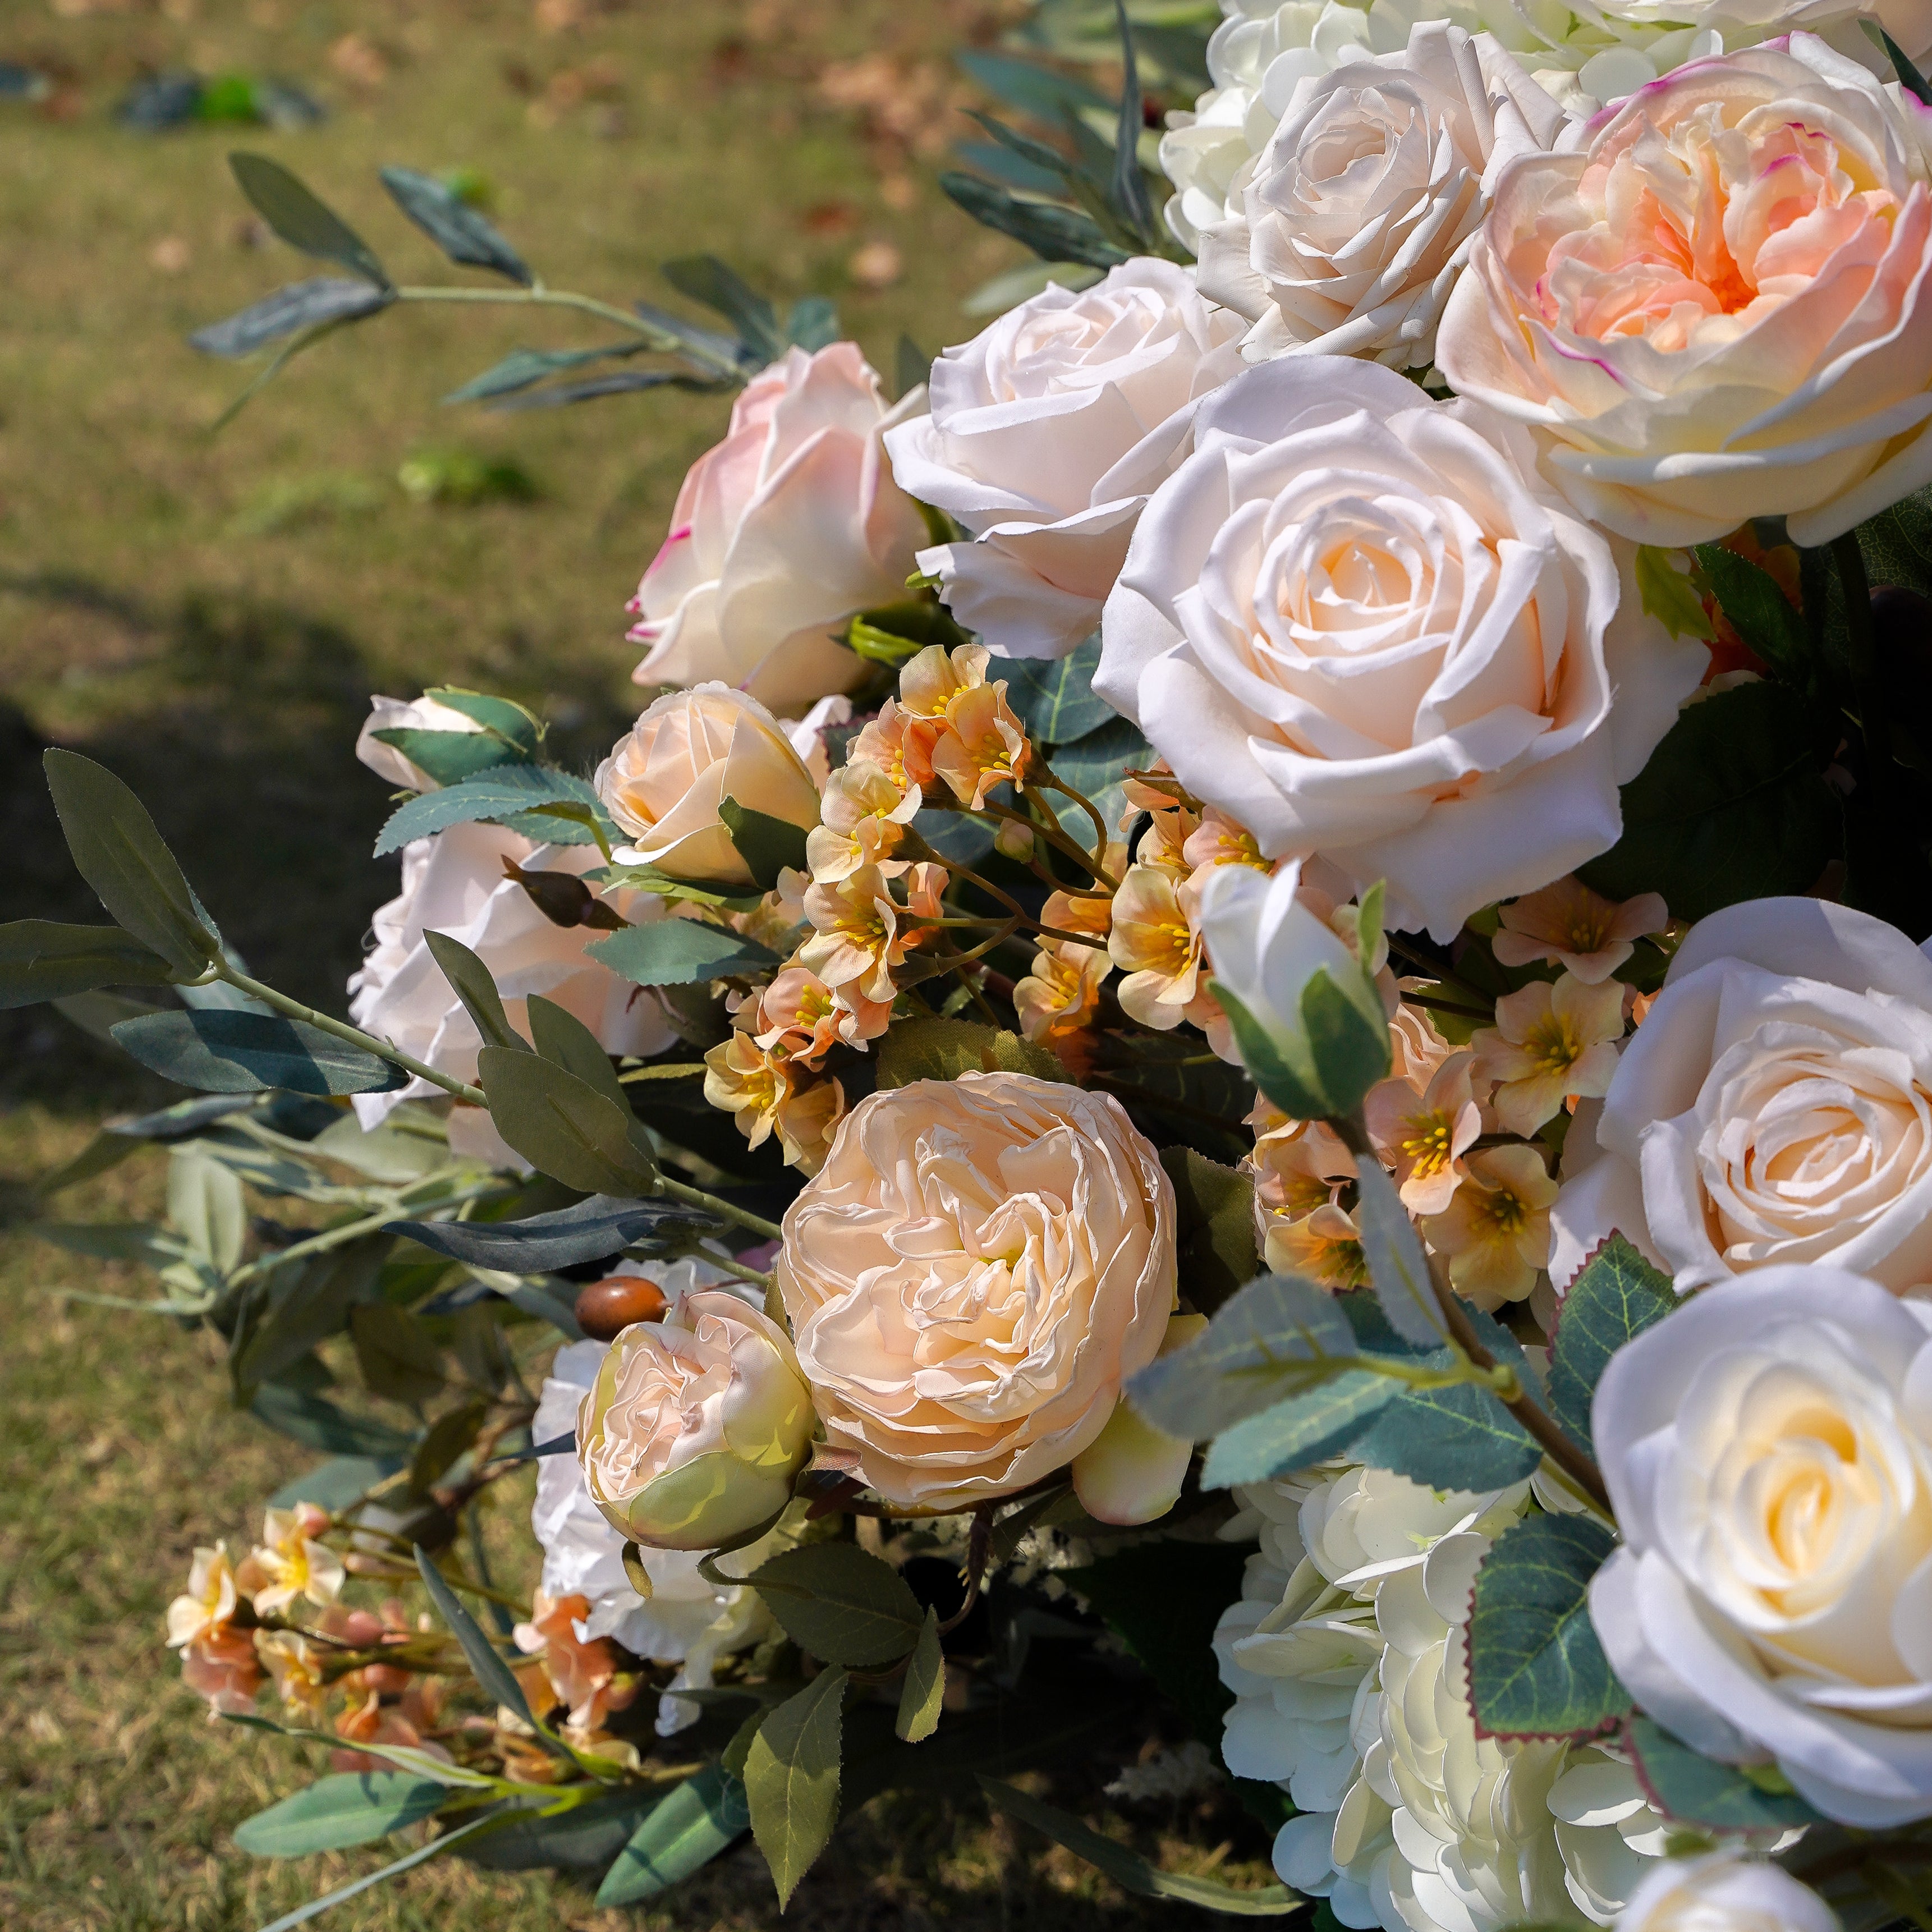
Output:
[[1315, 845]]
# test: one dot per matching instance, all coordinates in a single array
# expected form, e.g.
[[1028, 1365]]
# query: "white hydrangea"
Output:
[[1584, 56], [1344, 1661]]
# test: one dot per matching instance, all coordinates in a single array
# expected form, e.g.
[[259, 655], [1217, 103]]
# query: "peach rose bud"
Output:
[[665, 779], [1132, 1472], [695, 1426]]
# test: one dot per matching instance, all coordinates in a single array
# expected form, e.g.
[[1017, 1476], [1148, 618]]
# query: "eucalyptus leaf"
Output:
[[453, 225], [302, 221], [590, 1230], [350, 1808], [492, 1674], [223, 1050], [205, 1207], [704, 1815], [563, 1127], [336, 1483], [121, 855], [324, 298], [39, 960], [680, 953], [303, 1304], [1127, 192], [840, 1603], [813, 323], [791, 1780]]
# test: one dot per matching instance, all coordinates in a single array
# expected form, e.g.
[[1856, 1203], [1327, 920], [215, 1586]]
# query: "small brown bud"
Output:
[[605, 1308]]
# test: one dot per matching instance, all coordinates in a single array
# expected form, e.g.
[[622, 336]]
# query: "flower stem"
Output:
[[726, 367]]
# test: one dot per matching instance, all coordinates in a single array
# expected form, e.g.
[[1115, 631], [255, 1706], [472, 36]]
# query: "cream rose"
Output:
[[1775, 1106], [1355, 220], [1768, 1447], [1721, 308], [1724, 1891], [1047, 432], [1354, 621], [455, 883], [979, 1266], [695, 1426], [786, 528], [667, 776]]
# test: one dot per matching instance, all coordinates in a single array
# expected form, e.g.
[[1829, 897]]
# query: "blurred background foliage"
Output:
[[207, 614]]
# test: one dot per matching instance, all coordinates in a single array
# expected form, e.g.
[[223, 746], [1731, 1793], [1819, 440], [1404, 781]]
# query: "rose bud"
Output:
[[695, 1426], [605, 1308]]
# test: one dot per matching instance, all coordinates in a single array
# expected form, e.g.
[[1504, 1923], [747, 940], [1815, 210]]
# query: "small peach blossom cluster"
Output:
[[1456, 1127]]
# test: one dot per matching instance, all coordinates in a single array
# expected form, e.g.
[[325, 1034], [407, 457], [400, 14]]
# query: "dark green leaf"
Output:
[[706, 349], [223, 1050], [1214, 1227], [680, 953], [121, 855], [1053, 233], [1692, 1789], [1733, 805], [1616, 1295], [492, 1674], [39, 960], [349, 1809], [515, 724], [1128, 1870], [1536, 1668], [1127, 193], [505, 794], [443, 1442], [704, 1815], [318, 1423], [303, 221], [1276, 1336], [924, 1691], [184, 1120], [840, 1603], [1897, 544], [301, 305], [1348, 1051], [305, 1303], [1293, 1434], [1398, 1270], [954, 835], [523, 367], [1054, 697], [768, 846], [1909, 78], [453, 225], [911, 366], [942, 1049], [813, 323], [705, 279], [619, 382], [589, 1231], [564, 1127], [302, 1914], [1095, 763], [561, 1036], [473, 983], [450, 757], [106, 1150], [1046, 93], [791, 1780], [337, 1483], [585, 1838], [394, 1353], [1193, 1094], [1751, 599], [1007, 162]]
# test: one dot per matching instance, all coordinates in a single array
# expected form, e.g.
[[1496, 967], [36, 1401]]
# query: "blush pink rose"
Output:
[[1721, 307], [782, 531]]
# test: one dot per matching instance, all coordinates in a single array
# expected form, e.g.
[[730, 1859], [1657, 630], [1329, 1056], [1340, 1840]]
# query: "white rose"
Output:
[[1353, 620], [1768, 1447], [1724, 1891], [455, 883], [1775, 1106], [780, 532], [1048, 430], [397, 714], [1355, 220]]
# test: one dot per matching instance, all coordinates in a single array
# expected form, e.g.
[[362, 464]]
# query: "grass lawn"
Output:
[[207, 614]]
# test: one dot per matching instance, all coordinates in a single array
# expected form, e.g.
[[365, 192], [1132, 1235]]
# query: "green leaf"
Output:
[[1398, 1271], [1277, 1335], [585, 1838], [39, 960], [563, 1127], [394, 1353], [1053, 233], [942, 1049], [318, 1423], [1290, 1088], [473, 984], [704, 1815], [841, 1603], [705, 279], [1127, 192], [1751, 599], [1669, 595], [813, 323], [791, 1780], [409, 1861], [337, 1483], [450, 757], [121, 855], [205, 1207], [1897, 544], [590, 1230], [503, 718], [1046, 93], [453, 225], [324, 298], [767, 845], [1733, 805], [302, 221], [106, 1150], [1616, 1295], [349, 1809], [924, 1691], [1692, 1789], [1214, 1227], [1536, 1668], [1095, 763], [223, 1050], [1347, 1047], [305, 1303], [443, 1442], [1305, 1428], [506, 794], [1054, 697], [492, 1674], [523, 367], [911, 366], [562, 1037], [1909, 78], [680, 953], [1128, 1870]]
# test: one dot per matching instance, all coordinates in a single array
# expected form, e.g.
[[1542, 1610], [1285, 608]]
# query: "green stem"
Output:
[[727, 367], [696, 1197]]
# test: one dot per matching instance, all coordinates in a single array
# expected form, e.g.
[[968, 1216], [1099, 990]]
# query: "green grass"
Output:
[[207, 614]]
